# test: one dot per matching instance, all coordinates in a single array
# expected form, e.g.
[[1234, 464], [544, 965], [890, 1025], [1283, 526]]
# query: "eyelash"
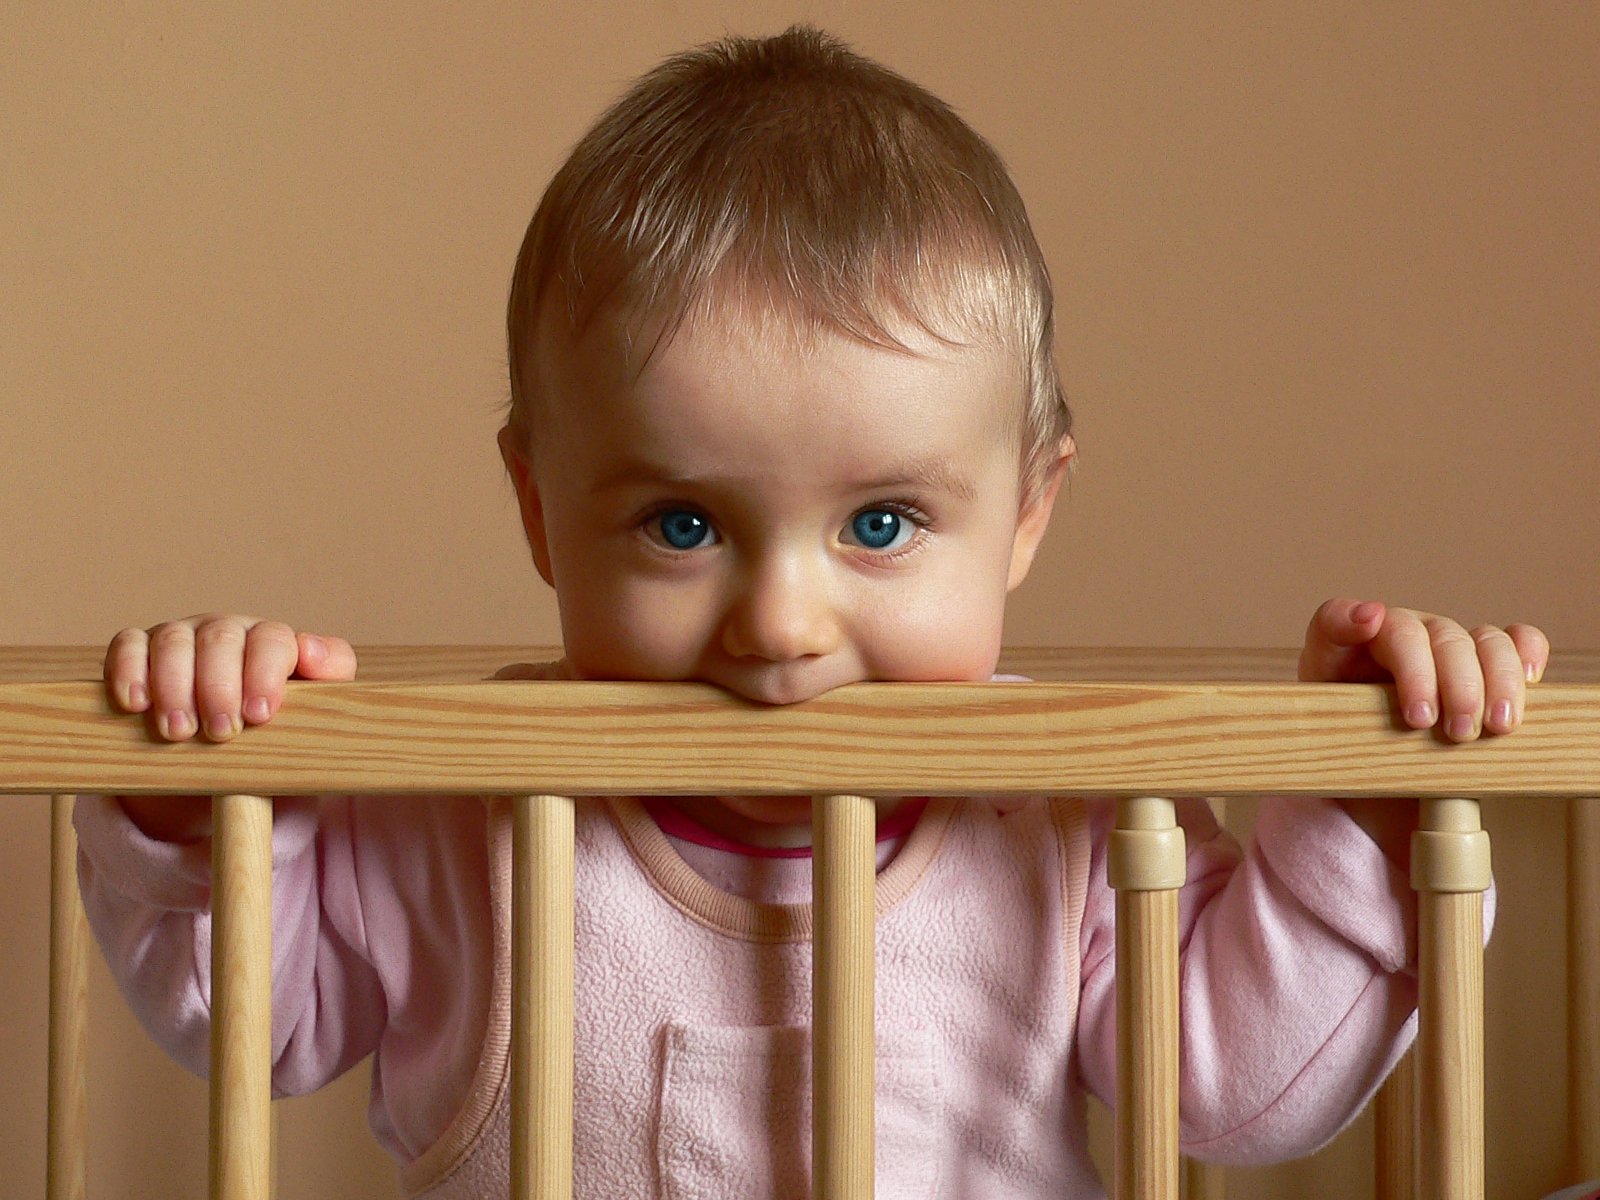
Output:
[[904, 509]]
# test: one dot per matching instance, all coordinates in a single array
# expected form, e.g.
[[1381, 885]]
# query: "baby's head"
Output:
[[784, 407]]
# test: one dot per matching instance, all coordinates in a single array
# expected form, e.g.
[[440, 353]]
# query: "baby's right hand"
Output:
[[213, 672], [216, 672]]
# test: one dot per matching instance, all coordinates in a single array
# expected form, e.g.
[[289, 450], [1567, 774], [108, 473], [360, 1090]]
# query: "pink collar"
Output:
[[674, 823]]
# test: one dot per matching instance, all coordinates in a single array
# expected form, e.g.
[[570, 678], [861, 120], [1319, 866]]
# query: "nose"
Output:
[[782, 612]]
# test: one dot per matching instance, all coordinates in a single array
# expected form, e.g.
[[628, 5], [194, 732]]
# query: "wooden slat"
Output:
[[1450, 870], [1395, 1133], [1145, 863], [1450, 1045], [241, 999], [1203, 1181], [67, 1119], [542, 997], [842, 990], [872, 739], [1147, 1046]]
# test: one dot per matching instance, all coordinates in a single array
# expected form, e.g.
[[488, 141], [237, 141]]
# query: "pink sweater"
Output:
[[994, 997]]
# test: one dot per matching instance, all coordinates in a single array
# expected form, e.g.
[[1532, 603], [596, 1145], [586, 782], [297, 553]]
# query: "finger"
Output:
[[270, 654], [322, 657], [1504, 685], [1337, 636], [1404, 648], [1533, 648], [1461, 687], [127, 670], [218, 670], [172, 680]]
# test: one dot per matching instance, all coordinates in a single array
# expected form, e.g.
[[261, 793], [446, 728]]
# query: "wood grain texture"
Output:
[[1203, 1181], [67, 1116], [1583, 986], [465, 663], [1146, 1116], [872, 739], [1395, 1133], [1449, 1046], [542, 997], [843, 1067], [241, 999]]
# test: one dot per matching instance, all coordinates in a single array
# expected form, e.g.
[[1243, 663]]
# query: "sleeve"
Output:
[[1297, 980], [148, 903]]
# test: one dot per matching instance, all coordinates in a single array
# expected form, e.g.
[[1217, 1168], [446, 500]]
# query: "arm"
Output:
[[148, 903], [145, 860], [1297, 979], [1296, 982]]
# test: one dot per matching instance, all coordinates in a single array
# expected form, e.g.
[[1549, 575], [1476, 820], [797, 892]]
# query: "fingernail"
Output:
[[176, 724], [221, 726], [1502, 714], [1419, 715], [1461, 727], [315, 648], [256, 708], [1364, 612], [137, 696], [1530, 671]]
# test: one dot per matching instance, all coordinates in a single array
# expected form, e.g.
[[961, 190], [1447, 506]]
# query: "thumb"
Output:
[[326, 658], [1337, 637]]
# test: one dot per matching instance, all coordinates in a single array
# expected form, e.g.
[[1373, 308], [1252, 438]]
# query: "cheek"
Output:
[[616, 626], [943, 630]]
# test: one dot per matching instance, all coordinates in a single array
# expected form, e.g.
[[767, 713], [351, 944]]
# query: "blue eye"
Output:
[[880, 529], [683, 529]]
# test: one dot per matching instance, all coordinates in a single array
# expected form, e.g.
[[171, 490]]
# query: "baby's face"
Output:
[[780, 518]]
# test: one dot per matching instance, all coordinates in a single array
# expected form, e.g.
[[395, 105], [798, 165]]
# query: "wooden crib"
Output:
[[1157, 725]]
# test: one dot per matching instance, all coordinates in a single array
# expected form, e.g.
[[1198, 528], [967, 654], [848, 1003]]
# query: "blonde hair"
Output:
[[793, 172]]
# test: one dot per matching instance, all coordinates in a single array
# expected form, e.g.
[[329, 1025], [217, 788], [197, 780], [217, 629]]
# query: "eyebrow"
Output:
[[935, 473]]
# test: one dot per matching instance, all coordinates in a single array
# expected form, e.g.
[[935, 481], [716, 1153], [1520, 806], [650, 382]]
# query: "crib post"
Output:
[[1583, 985], [542, 997], [1395, 1135], [844, 931], [67, 1120], [241, 998], [1202, 1181], [1145, 864], [1450, 870]]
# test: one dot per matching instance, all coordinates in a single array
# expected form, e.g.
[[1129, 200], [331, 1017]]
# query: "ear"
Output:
[[511, 453], [1034, 517]]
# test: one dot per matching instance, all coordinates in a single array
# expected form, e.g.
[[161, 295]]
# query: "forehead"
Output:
[[767, 383], [622, 355]]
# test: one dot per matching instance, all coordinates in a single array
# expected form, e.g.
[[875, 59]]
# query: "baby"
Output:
[[784, 416]]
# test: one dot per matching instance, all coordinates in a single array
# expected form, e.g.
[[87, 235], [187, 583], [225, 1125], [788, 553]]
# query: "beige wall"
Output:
[[1328, 317]]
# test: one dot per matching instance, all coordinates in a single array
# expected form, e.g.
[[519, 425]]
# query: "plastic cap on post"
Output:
[[1146, 849], [1450, 853]]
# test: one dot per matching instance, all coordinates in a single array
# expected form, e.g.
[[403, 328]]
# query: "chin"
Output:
[[778, 689], [772, 810]]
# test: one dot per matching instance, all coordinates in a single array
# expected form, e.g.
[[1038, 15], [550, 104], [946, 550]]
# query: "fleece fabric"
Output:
[[995, 1004]]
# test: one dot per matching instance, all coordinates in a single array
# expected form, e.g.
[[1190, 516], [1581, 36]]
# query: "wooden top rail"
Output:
[[1174, 739], [1100, 664]]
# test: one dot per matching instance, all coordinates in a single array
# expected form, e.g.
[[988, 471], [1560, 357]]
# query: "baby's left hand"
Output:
[[1466, 683]]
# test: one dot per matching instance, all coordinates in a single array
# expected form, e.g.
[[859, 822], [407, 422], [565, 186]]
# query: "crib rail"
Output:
[[547, 742], [1180, 739]]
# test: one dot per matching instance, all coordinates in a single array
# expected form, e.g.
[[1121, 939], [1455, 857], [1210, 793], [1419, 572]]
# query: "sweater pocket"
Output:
[[733, 1114]]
